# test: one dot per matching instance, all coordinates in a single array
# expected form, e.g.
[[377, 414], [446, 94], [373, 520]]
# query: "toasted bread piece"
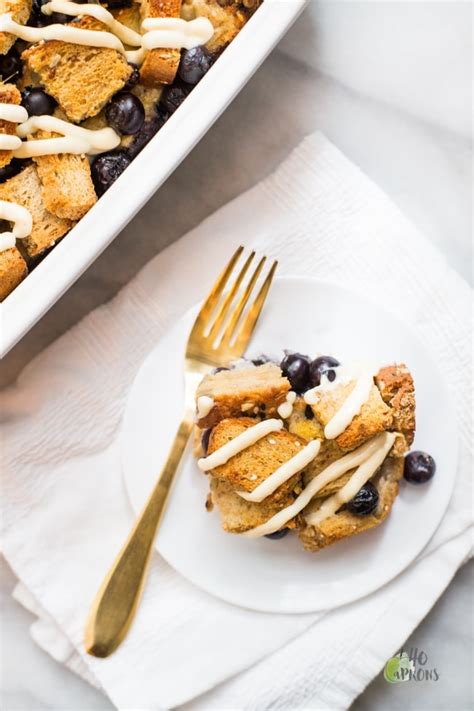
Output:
[[344, 524], [25, 189], [66, 183], [238, 515], [243, 391], [160, 65], [20, 11], [129, 16], [227, 20], [13, 270], [9, 94], [397, 389], [375, 416], [82, 79], [246, 470]]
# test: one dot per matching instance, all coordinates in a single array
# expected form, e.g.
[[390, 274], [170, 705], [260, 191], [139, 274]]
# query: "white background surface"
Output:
[[390, 84]]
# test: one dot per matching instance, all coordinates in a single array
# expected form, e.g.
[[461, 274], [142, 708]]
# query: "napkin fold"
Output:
[[65, 511]]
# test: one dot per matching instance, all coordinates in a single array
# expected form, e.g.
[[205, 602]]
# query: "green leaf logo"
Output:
[[397, 668]]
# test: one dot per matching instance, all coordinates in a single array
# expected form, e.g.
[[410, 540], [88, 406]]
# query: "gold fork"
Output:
[[221, 333]]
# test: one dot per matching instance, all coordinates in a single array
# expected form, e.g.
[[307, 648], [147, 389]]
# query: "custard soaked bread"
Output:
[[321, 452], [84, 86], [82, 79]]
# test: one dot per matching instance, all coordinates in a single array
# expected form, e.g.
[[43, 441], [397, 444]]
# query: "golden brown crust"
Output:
[[243, 391], [66, 183], [20, 10], [25, 189], [81, 79], [246, 470], [374, 417], [160, 65], [344, 524], [13, 270], [238, 515], [9, 94], [397, 389], [227, 20]]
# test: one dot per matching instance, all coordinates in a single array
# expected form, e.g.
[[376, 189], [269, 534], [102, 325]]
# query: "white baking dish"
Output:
[[71, 257]]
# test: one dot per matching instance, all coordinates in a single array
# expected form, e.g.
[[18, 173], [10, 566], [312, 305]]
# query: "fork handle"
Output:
[[116, 602]]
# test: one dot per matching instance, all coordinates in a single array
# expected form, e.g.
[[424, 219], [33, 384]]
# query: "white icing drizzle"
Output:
[[175, 33], [63, 33], [355, 483], [14, 114], [163, 32], [8, 142], [330, 473], [204, 405], [124, 33], [286, 408], [22, 223], [364, 380], [75, 139], [238, 444], [283, 473]]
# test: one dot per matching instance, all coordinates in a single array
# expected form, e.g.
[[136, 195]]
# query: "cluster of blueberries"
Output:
[[124, 113]]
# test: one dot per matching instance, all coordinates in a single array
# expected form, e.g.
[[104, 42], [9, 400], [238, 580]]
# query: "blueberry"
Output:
[[10, 66], [116, 4], [419, 467], [39, 19], [365, 501], [37, 102], [106, 168], [308, 412], [205, 440], [174, 95], [8, 171], [147, 131], [278, 534], [320, 366], [133, 79], [194, 64], [295, 367], [125, 113]]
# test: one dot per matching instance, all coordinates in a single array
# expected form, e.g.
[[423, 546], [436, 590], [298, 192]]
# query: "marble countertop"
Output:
[[390, 84]]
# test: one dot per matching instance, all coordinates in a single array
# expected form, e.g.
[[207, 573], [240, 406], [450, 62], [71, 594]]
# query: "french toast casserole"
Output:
[[83, 87], [310, 446]]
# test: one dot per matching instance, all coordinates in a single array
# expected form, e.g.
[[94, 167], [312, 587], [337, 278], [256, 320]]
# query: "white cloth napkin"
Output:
[[65, 512]]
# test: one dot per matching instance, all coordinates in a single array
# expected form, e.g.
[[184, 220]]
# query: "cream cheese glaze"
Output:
[[238, 444], [175, 33], [374, 451], [356, 482], [283, 473], [22, 223], [165, 32], [363, 376], [14, 114], [124, 33], [286, 408], [74, 139], [204, 405]]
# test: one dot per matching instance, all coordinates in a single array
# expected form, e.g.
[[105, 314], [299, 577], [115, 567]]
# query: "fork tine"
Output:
[[229, 298], [215, 293], [234, 319], [251, 319]]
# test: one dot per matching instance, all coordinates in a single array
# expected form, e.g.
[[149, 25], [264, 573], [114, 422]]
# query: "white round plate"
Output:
[[279, 575]]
